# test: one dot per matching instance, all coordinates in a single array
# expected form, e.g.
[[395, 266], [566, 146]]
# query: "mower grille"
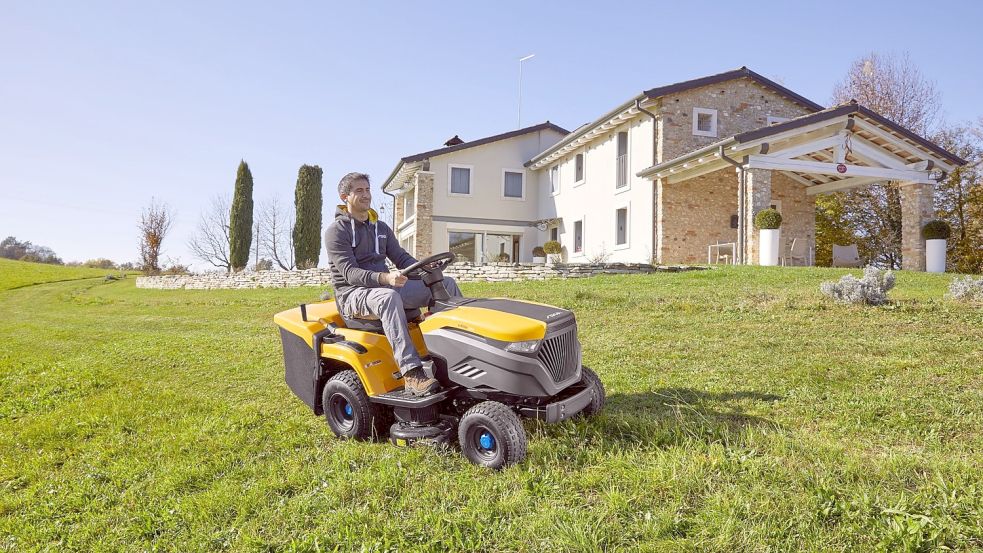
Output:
[[560, 355]]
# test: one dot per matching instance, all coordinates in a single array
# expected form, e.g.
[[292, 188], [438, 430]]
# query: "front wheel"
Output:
[[592, 381], [348, 410], [492, 436]]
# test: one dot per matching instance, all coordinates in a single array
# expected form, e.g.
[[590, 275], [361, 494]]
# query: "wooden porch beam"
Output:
[[821, 168], [840, 185]]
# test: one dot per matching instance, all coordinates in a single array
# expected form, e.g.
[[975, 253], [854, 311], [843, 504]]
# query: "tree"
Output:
[[276, 234], [155, 222], [11, 248], [307, 226], [895, 88], [210, 243], [241, 219], [959, 198]]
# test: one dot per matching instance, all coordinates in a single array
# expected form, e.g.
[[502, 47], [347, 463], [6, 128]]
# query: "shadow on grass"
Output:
[[669, 417]]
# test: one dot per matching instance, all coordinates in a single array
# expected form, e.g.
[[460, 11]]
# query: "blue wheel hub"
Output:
[[486, 441], [347, 409]]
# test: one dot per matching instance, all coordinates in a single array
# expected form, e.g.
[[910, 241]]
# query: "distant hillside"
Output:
[[15, 274]]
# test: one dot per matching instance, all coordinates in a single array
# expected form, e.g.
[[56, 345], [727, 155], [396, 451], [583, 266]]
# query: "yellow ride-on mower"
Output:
[[496, 360]]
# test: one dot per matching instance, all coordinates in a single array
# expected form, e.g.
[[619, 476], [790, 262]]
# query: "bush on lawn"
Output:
[[870, 290], [967, 289]]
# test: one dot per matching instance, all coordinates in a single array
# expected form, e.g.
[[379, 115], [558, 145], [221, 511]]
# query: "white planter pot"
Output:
[[935, 256], [768, 249], [539, 260], [553, 258]]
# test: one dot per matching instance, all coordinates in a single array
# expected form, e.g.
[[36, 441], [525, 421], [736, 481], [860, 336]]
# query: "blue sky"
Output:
[[104, 105]]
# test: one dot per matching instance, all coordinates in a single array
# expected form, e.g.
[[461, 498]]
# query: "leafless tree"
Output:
[[276, 233], [155, 222], [210, 242], [894, 87]]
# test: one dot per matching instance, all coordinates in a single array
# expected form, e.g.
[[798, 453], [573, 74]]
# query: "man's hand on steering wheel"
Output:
[[432, 264]]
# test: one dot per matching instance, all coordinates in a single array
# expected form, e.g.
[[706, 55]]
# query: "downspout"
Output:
[[655, 206], [741, 185]]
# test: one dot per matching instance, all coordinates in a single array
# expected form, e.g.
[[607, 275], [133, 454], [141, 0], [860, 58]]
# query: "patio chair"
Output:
[[798, 251], [846, 256]]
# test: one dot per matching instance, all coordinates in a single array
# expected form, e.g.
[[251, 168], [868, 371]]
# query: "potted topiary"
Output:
[[553, 252], [538, 255], [503, 258], [935, 233], [768, 222]]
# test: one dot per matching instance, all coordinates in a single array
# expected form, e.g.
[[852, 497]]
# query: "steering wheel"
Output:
[[430, 265]]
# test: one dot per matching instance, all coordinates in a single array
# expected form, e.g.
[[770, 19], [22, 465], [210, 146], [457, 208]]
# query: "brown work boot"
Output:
[[418, 383]]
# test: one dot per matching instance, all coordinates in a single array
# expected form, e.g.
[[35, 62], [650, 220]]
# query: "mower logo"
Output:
[[554, 314]]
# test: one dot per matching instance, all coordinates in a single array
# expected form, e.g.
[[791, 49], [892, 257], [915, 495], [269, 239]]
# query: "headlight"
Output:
[[528, 346]]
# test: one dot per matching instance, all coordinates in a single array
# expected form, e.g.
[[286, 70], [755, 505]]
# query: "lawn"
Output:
[[15, 274], [745, 413]]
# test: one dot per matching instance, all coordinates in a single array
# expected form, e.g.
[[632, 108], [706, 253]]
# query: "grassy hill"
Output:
[[745, 413], [16, 274]]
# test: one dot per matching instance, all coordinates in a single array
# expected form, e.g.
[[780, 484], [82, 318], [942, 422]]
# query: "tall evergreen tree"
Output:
[[307, 226], [241, 219]]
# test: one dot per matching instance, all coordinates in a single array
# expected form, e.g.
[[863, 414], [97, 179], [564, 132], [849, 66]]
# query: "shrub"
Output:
[[869, 290], [538, 251], [768, 219], [552, 247], [503, 258], [307, 228], [967, 289], [936, 229]]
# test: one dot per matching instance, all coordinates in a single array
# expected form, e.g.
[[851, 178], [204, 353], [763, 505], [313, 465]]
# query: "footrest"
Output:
[[402, 398]]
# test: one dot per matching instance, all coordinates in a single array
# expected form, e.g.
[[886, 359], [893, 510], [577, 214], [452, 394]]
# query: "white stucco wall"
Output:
[[596, 199]]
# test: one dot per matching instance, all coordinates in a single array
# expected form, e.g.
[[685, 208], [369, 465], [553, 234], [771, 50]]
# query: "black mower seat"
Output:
[[375, 325]]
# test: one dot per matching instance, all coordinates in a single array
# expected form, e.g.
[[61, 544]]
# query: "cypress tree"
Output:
[[307, 226], [241, 219]]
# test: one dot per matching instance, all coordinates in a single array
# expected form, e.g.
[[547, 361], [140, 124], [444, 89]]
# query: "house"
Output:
[[666, 177]]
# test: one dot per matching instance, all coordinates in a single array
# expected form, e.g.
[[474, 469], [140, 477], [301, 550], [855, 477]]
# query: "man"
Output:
[[358, 244]]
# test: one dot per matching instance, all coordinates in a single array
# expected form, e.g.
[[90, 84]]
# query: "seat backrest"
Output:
[[846, 253], [799, 246]]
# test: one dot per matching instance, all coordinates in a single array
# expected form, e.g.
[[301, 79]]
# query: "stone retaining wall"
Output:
[[462, 272]]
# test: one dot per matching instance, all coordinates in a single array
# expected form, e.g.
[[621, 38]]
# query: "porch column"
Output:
[[917, 208], [757, 196], [424, 214]]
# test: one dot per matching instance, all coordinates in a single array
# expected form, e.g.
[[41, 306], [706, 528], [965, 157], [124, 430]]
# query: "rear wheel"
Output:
[[591, 380], [491, 435], [348, 410]]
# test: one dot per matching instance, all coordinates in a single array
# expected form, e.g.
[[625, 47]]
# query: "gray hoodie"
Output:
[[357, 251]]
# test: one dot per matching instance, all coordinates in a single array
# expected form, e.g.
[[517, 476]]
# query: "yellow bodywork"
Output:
[[375, 367], [490, 323]]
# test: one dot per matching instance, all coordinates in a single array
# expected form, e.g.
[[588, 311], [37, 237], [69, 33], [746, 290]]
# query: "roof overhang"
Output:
[[836, 149], [401, 179]]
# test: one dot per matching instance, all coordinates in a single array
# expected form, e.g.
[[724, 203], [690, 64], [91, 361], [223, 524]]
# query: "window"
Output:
[[704, 122], [512, 185], [578, 164], [460, 180], [578, 237], [772, 120], [555, 233], [555, 179], [621, 178], [464, 245], [621, 227], [408, 243], [776, 205], [409, 204], [501, 247]]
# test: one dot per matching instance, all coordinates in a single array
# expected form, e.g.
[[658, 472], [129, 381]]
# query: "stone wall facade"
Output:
[[462, 272], [741, 105], [916, 209], [798, 211], [423, 244], [696, 213]]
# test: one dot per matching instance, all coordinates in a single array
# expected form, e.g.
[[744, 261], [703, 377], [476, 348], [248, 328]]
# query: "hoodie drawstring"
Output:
[[375, 225]]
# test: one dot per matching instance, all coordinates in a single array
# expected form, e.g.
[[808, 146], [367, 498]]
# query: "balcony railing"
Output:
[[622, 173]]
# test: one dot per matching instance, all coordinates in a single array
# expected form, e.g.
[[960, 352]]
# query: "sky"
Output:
[[105, 106]]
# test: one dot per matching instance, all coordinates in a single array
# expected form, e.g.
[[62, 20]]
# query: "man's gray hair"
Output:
[[347, 181]]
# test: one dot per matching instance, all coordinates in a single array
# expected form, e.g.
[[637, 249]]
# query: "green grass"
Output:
[[17, 274], [745, 413]]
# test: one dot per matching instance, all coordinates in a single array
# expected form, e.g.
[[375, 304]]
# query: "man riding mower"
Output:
[[471, 367]]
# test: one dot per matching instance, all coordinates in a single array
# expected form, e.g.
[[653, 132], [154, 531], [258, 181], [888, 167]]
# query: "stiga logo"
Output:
[[555, 314]]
